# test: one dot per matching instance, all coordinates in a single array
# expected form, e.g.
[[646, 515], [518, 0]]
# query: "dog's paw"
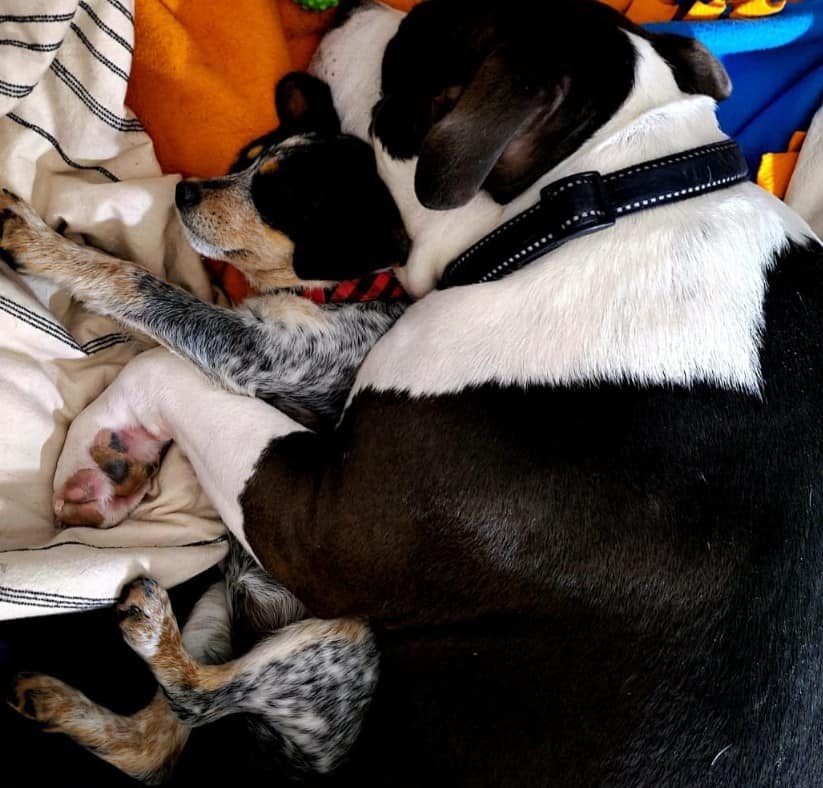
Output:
[[146, 617], [120, 465], [24, 236], [43, 699]]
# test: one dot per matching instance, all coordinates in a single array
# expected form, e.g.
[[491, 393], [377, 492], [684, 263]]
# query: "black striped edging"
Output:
[[56, 145], [199, 543], [122, 9], [94, 106], [39, 322], [98, 55], [14, 599], [11, 42], [106, 29], [99, 344], [37, 17], [13, 90], [56, 331], [49, 598]]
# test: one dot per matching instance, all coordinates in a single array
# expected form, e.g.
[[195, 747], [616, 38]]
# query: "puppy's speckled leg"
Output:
[[144, 745], [311, 682], [294, 354]]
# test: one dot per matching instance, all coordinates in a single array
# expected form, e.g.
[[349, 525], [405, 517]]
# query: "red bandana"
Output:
[[382, 286]]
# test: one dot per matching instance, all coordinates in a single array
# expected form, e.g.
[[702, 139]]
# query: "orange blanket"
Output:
[[203, 73]]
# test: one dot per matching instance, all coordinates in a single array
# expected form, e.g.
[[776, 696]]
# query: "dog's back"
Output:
[[668, 542], [607, 466]]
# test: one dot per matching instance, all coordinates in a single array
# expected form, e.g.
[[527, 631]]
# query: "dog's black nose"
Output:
[[187, 194]]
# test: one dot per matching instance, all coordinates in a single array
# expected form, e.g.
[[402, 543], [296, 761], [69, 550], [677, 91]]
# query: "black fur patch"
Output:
[[541, 55], [327, 197], [573, 578]]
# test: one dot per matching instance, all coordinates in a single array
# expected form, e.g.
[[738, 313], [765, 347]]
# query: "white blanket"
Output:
[[69, 145]]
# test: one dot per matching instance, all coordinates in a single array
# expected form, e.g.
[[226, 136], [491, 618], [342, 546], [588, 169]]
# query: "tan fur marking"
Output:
[[254, 152], [226, 219], [293, 310], [90, 275], [145, 745], [174, 667], [269, 166]]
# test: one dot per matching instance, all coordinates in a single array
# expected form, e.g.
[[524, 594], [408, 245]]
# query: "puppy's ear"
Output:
[[304, 104], [497, 119], [360, 227], [696, 70]]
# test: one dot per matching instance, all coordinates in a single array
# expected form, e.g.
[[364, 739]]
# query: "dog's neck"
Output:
[[656, 120], [669, 296], [673, 295]]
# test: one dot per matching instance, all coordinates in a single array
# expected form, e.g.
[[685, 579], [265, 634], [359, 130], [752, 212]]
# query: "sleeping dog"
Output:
[[597, 558], [303, 209]]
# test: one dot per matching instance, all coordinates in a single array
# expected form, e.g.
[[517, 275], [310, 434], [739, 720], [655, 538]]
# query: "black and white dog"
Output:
[[596, 556]]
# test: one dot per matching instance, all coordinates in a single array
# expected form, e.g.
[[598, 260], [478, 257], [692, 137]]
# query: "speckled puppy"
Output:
[[303, 207]]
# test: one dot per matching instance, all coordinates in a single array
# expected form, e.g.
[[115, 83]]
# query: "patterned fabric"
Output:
[[382, 286], [69, 145], [776, 66]]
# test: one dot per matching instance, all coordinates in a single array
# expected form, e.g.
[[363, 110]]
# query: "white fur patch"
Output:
[[672, 295], [349, 59], [207, 634], [222, 434]]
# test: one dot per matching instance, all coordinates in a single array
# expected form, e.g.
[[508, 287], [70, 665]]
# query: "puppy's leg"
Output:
[[282, 348], [214, 338], [310, 682], [144, 745]]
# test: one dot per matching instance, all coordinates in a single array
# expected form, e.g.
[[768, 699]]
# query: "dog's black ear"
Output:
[[495, 120], [696, 70], [347, 248], [361, 229], [304, 104]]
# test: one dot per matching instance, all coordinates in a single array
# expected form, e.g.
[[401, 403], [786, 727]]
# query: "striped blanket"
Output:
[[69, 145]]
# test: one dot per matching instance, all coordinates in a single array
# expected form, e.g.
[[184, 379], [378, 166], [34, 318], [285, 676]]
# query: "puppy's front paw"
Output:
[[123, 463], [25, 239], [146, 617], [43, 699]]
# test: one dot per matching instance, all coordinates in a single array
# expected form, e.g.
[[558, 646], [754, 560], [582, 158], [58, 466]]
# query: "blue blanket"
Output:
[[776, 66]]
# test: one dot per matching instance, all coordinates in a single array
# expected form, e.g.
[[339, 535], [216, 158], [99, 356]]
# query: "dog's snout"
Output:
[[187, 194]]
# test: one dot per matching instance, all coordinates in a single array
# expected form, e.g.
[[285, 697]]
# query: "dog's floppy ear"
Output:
[[304, 104], [696, 70], [496, 118]]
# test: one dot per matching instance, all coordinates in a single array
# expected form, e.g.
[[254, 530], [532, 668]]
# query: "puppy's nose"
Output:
[[187, 194]]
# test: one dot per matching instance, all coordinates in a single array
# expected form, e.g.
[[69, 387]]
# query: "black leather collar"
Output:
[[588, 201]]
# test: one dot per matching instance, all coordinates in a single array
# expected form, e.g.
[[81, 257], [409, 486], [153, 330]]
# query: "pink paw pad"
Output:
[[126, 461]]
